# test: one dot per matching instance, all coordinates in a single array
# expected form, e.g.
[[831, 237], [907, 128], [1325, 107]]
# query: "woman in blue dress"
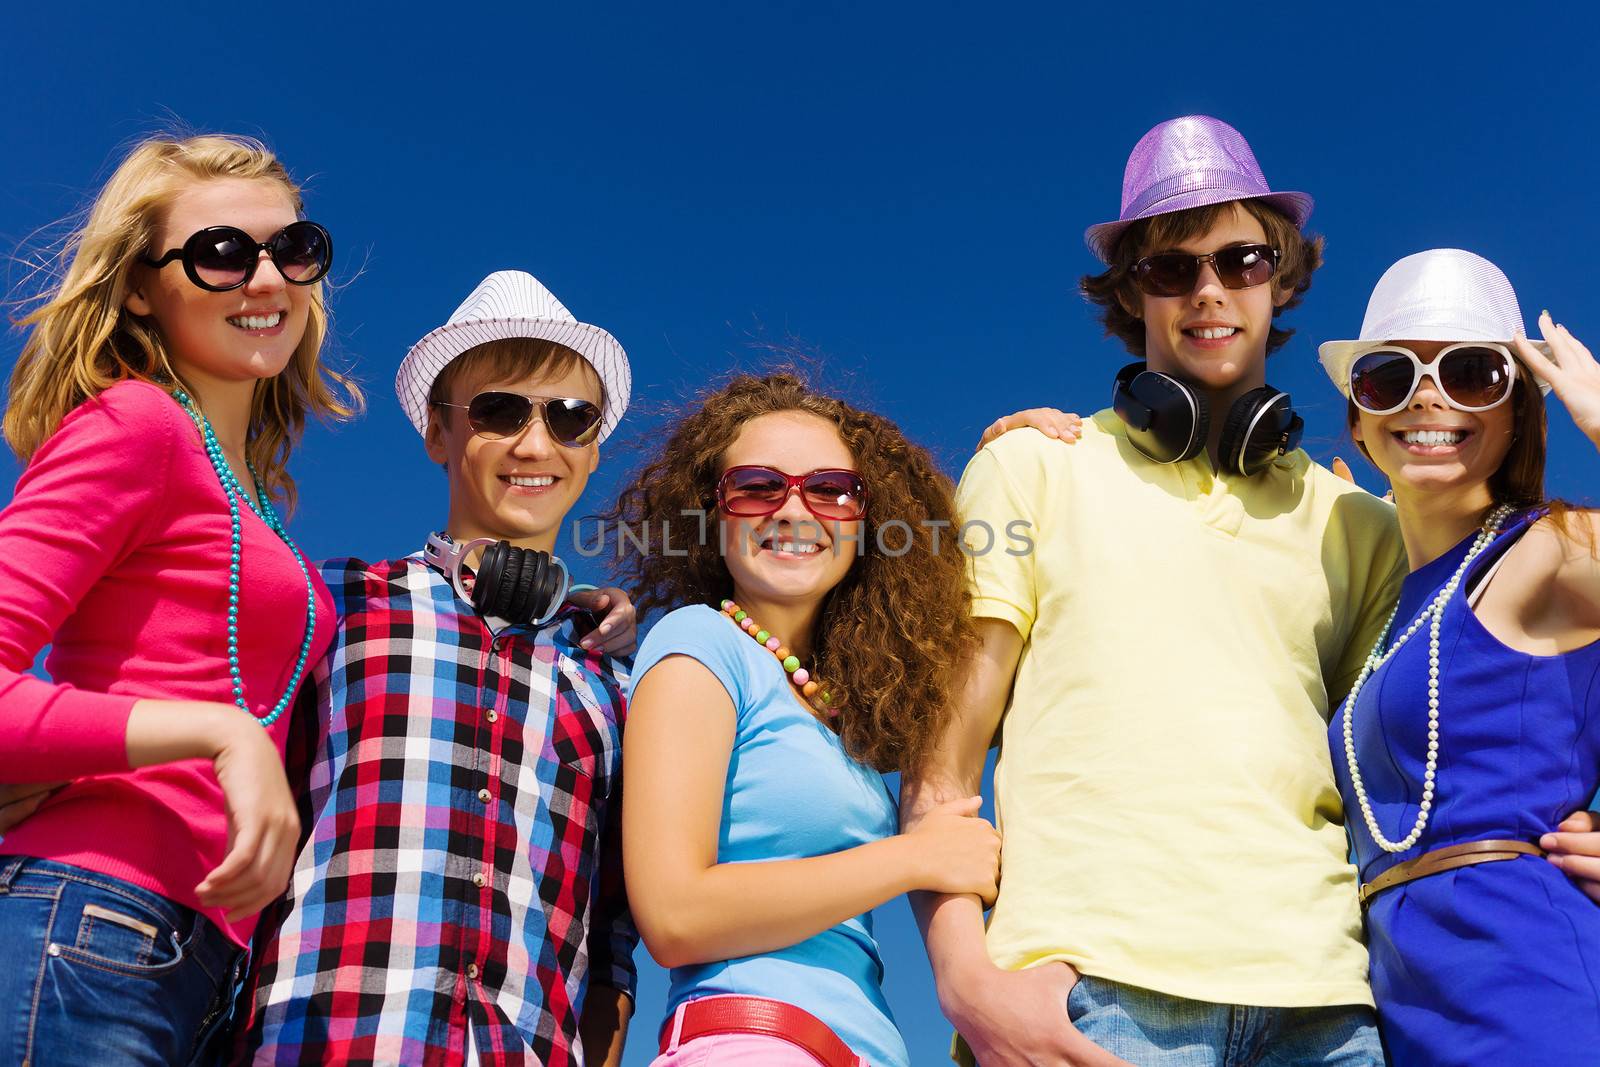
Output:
[[820, 616], [1468, 738]]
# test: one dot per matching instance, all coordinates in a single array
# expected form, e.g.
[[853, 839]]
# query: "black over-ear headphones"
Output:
[[520, 585], [1168, 421]]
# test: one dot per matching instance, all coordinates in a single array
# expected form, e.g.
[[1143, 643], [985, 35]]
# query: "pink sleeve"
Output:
[[89, 496]]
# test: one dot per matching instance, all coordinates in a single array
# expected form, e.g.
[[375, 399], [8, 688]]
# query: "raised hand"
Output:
[[1052, 422], [1571, 370]]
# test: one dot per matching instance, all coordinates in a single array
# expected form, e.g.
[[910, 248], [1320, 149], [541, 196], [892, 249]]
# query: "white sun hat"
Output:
[[1443, 294], [512, 303]]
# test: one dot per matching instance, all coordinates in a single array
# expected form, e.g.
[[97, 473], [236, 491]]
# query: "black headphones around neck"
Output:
[[1168, 421], [520, 585]]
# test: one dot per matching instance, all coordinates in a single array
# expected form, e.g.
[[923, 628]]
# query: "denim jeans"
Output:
[[94, 970], [1156, 1030]]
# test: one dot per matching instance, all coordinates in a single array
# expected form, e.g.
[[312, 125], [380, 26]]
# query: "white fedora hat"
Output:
[[1443, 294], [512, 303]]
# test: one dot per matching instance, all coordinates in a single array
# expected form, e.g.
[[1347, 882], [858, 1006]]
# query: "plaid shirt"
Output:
[[462, 869]]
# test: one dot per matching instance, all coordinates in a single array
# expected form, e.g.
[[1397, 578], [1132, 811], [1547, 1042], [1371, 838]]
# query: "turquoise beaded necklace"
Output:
[[269, 515]]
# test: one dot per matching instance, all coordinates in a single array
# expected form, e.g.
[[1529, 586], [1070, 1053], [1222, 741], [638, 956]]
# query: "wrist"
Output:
[[230, 728], [161, 731], [908, 862], [962, 988]]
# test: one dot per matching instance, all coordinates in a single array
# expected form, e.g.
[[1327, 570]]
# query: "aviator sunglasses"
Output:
[[1471, 376], [1175, 273], [220, 258], [752, 492], [498, 414]]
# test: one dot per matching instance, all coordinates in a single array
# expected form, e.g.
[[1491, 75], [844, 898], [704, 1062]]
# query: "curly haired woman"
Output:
[[811, 646]]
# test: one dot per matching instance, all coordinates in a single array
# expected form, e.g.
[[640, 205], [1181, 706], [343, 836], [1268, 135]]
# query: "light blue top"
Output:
[[791, 793]]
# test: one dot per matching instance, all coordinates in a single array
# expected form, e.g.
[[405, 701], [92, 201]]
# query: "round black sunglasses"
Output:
[[220, 258]]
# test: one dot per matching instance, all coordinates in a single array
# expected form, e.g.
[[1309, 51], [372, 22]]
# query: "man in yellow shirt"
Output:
[[1161, 666]]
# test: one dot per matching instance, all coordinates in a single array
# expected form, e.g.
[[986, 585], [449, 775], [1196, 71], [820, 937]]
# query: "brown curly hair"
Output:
[[894, 633], [1118, 297]]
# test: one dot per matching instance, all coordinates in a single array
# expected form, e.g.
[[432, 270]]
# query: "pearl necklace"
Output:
[[809, 687], [1432, 614], [233, 491]]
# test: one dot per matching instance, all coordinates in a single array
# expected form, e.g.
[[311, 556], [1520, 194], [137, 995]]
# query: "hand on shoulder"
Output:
[[1063, 426]]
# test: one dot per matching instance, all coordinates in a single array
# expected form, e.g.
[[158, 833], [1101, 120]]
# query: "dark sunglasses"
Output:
[[1175, 273], [1473, 376], [220, 258], [750, 492], [496, 414]]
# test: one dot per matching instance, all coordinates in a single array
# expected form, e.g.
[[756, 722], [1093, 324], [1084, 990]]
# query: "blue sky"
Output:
[[900, 187]]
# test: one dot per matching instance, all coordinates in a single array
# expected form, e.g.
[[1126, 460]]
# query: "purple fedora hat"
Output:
[[1190, 162]]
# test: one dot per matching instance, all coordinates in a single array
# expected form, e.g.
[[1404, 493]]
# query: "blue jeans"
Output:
[[94, 970], [1156, 1030]]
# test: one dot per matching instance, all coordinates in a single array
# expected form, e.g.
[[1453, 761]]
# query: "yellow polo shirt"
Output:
[[1164, 785]]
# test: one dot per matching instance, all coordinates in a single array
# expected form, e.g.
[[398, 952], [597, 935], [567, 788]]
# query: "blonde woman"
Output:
[[159, 391]]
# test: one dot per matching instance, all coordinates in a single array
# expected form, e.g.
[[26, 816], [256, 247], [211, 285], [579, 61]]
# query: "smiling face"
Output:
[[245, 334], [789, 556], [517, 488], [1430, 446], [1213, 336]]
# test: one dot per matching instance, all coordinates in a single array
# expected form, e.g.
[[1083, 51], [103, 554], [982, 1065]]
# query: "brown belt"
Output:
[[1447, 859]]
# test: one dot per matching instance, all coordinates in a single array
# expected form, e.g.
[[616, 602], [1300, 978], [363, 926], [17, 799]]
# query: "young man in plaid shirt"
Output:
[[459, 898]]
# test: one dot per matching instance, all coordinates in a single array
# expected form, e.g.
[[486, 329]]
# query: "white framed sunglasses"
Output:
[[1470, 375]]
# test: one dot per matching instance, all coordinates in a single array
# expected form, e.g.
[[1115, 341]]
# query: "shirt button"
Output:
[[483, 795], [479, 880], [472, 970], [494, 716]]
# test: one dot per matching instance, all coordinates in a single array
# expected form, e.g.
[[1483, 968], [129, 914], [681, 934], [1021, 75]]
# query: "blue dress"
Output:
[[1497, 963]]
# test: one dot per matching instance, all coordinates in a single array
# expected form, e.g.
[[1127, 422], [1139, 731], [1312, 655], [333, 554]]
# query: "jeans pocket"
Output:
[[1079, 999], [102, 971], [114, 931]]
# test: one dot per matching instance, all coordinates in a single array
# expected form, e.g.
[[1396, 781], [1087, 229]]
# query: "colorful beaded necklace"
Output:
[[269, 515], [809, 687]]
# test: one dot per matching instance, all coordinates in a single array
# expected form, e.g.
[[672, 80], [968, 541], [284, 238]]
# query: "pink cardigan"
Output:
[[114, 551]]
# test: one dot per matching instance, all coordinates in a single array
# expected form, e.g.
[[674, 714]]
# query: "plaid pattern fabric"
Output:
[[462, 869]]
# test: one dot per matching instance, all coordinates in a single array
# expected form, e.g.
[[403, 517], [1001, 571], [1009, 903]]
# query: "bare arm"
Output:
[[1010, 1018], [952, 926], [603, 1026], [1574, 375], [263, 827], [691, 909], [1572, 605]]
